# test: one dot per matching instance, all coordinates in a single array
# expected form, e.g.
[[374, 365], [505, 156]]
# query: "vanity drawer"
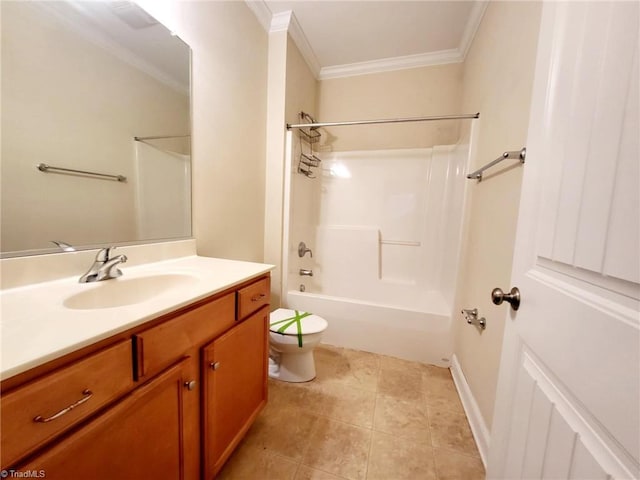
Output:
[[253, 297], [163, 344], [36, 412]]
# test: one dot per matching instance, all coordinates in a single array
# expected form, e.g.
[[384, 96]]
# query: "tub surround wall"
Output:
[[163, 192], [379, 237], [457, 200], [498, 77]]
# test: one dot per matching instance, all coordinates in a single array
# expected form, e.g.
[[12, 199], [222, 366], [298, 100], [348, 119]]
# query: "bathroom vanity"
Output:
[[165, 388]]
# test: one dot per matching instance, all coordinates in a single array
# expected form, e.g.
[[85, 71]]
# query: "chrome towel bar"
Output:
[[43, 167], [516, 154], [158, 137]]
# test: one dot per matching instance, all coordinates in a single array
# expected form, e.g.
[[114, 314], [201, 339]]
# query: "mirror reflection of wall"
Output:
[[80, 80]]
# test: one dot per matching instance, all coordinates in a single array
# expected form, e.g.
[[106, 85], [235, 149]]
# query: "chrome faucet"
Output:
[[104, 267], [64, 246], [306, 273]]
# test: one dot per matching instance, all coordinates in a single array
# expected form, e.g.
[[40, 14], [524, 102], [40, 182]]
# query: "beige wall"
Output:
[[302, 95], [69, 103], [498, 78], [229, 101], [415, 92], [292, 87], [273, 202], [302, 87]]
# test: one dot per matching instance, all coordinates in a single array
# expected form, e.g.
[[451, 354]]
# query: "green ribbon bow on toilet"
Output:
[[290, 321]]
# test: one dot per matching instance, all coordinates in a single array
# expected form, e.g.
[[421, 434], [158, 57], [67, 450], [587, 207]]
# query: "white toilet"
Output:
[[292, 337]]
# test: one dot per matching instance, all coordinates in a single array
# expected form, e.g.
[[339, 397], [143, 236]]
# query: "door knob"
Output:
[[214, 365], [513, 297], [190, 385]]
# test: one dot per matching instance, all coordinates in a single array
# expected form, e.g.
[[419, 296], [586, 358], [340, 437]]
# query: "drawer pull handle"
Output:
[[214, 365], [258, 297], [87, 395]]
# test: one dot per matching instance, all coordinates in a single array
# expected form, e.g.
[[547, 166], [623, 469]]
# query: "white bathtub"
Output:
[[422, 335]]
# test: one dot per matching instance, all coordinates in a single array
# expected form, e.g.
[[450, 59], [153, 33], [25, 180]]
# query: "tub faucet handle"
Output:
[[302, 249]]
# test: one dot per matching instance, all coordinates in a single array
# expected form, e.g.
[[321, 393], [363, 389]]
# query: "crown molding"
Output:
[[475, 18], [390, 64], [280, 21], [442, 57], [286, 21], [262, 13], [298, 36]]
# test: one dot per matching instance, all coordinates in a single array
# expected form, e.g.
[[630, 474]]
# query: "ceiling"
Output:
[[342, 38]]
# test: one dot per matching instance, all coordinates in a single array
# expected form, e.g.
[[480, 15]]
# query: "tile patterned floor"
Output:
[[365, 417]]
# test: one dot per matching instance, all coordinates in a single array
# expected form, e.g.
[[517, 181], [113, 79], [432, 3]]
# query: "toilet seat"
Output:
[[309, 323]]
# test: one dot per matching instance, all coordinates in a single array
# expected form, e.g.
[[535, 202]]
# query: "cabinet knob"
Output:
[[214, 365], [190, 384]]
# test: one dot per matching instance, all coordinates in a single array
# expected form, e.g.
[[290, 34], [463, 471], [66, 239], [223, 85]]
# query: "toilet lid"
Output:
[[294, 322]]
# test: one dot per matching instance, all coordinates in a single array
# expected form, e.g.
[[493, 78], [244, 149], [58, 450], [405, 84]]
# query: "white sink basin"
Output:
[[127, 291]]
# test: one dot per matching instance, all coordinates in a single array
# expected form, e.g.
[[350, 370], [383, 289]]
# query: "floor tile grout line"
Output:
[[308, 444], [366, 469], [342, 421], [458, 452]]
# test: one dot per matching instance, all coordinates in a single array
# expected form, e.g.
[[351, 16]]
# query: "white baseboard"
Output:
[[478, 427]]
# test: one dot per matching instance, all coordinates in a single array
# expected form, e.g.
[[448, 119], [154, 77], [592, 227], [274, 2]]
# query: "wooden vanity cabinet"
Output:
[[141, 437], [43, 409], [234, 375], [171, 400]]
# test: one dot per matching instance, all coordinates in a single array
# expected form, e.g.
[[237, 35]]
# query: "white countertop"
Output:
[[36, 326]]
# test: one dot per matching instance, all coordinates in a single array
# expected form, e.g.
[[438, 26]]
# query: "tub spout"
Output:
[[305, 273]]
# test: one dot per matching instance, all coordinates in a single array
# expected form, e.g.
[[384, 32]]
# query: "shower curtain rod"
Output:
[[387, 120], [157, 137]]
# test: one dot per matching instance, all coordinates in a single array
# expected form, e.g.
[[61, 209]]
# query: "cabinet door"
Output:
[[140, 437], [235, 387]]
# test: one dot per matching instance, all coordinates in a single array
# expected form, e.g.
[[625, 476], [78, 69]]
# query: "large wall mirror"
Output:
[[95, 127]]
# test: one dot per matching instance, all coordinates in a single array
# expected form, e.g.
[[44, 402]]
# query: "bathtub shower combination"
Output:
[[372, 241]]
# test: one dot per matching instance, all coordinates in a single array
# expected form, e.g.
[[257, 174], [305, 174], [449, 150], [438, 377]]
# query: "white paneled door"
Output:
[[568, 400]]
